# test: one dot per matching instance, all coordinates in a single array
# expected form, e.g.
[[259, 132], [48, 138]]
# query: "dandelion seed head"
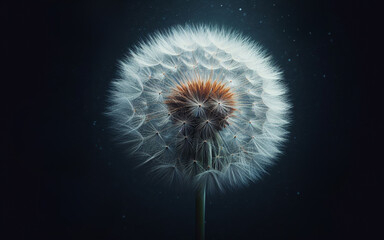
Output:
[[201, 105]]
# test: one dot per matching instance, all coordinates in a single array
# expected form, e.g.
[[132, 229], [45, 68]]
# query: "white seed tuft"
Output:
[[221, 142]]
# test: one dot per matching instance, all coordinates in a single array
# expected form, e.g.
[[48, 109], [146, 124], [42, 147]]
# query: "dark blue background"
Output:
[[65, 179]]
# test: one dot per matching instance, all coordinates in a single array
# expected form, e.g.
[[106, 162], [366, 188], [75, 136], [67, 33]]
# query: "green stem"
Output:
[[200, 214]]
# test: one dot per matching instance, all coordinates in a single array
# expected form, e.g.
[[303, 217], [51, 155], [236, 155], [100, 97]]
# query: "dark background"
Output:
[[64, 178]]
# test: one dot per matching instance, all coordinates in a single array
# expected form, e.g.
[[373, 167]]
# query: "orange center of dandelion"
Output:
[[203, 105]]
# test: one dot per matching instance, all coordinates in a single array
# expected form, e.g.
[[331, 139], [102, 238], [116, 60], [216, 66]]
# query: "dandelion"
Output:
[[203, 106]]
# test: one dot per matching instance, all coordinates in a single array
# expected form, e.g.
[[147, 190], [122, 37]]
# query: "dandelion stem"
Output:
[[200, 214]]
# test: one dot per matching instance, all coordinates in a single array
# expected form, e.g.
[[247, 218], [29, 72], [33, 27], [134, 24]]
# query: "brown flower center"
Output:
[[204, 105]]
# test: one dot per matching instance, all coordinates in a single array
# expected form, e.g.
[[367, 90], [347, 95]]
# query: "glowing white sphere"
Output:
[[201, 104]]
